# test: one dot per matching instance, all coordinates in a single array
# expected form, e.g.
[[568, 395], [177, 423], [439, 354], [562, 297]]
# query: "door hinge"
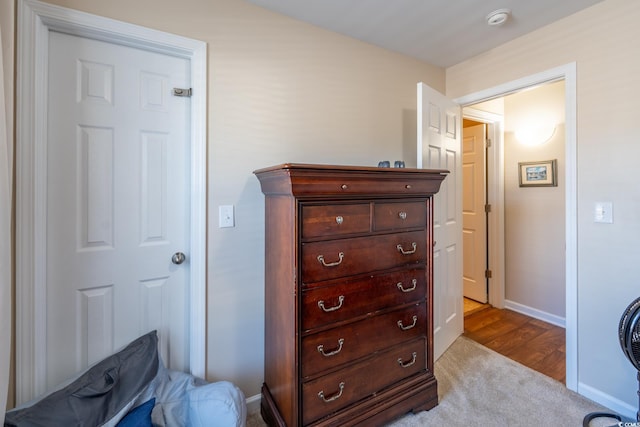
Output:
[[487, 208], [488, 143], [182, 92], [488, 274]]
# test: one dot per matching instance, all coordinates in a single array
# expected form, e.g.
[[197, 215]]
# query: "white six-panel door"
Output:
[[439, 148], [118, 203], [474, 218]]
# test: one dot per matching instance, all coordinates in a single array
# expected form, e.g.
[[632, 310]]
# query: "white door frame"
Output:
[[567, 73], [35, 21], [495, 198]]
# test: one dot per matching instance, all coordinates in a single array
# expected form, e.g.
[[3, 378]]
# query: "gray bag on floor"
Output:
[[99, 394]]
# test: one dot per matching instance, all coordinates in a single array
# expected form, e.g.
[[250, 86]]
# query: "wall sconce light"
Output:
[[534, 135]]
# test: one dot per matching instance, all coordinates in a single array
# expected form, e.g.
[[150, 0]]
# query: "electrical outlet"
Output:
[[603, 213], [225, 216]]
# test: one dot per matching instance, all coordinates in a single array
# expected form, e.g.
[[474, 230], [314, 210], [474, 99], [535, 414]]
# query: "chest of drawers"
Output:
[[348, 294]]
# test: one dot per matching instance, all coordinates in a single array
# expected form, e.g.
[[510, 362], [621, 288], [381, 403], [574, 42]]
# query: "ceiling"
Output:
[[440, 32]]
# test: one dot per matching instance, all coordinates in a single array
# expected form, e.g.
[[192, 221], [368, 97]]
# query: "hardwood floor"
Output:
[[532, 342]]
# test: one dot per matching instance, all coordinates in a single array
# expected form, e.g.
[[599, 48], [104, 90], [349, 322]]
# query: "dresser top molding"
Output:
[[315, 180]]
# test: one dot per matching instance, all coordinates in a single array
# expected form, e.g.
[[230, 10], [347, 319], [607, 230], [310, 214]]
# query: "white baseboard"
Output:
[[253, 404], [535, 313], [616, 405], [608, 401]]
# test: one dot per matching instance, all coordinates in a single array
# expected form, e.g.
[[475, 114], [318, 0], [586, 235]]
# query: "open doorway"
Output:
[[525, 208], [530, 239]]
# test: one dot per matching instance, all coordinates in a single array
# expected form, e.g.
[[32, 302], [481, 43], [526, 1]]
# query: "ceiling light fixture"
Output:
[[498, 17]]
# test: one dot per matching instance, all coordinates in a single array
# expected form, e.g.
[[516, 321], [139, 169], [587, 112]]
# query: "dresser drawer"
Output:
[[335, 220], [348, 257], [398, 216], [349, 186], [337, 390], [349, 342], [349, 298]]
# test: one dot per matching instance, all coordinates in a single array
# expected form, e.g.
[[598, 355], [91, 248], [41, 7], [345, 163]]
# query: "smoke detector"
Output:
[[498, 17]]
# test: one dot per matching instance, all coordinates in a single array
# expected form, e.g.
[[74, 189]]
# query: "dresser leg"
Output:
[[426, 406]]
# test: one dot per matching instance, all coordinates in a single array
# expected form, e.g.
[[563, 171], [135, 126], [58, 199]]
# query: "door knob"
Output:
[[178, 258]]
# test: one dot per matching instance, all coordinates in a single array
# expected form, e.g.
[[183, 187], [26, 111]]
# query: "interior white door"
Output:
[[118, 203], [439, 148], [474, 217]]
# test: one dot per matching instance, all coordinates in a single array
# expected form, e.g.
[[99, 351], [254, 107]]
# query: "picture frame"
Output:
[[538, 174]]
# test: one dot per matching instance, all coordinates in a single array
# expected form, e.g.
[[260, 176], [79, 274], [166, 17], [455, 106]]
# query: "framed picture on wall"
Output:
[[538, 174]]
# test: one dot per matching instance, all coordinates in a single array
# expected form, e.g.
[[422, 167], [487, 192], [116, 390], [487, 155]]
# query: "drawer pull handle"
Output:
[[406, 328], [333, 352], [408, 186], [333, 264], [402, 215], [344, 186], [334, 308], [403, 252], [414, 282], [339, 219], [406, 365], [334, 397]]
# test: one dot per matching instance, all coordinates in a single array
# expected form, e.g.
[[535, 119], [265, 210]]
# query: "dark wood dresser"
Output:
[[348, 294]]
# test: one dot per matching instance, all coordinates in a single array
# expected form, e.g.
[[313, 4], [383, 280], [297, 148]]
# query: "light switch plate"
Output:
[[603, 213], [225, 216]]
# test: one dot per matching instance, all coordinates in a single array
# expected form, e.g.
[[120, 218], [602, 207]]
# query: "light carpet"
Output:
[[479, 387]]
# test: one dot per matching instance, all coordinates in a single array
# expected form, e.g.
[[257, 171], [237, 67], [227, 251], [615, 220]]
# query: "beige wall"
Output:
[[534, 216], [7, 28], [7, 25], [604, 42], [279, 91]]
